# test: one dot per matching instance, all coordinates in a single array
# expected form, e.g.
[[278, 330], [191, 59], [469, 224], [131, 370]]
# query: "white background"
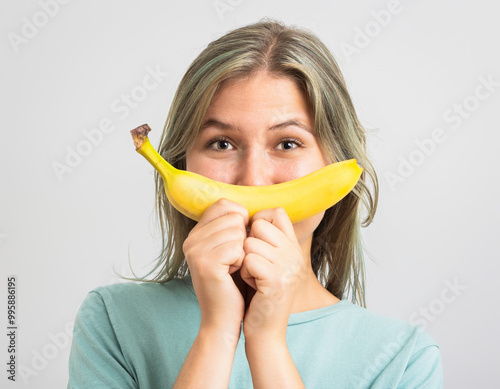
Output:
[[410, 67]]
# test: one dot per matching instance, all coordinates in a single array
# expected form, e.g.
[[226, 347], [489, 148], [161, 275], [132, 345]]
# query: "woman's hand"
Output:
[[214, 250], [272, 266]]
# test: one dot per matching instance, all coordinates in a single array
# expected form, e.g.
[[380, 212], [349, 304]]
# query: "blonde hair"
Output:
[[269, 45]]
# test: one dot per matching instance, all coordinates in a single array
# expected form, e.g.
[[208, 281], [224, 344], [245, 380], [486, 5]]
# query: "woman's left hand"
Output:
[[273, 266]]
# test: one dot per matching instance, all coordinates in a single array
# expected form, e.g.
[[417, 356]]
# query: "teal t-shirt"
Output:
[[137, 335]]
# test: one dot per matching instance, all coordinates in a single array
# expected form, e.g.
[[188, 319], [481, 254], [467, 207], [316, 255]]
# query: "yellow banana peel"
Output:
[[191, 193]]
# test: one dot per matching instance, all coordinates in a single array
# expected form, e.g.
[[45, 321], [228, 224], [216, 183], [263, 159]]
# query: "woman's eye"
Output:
[[223, 144], [289, 144], [218, 144]]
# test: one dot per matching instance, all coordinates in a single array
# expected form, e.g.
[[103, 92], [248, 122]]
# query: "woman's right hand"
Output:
[[213, 251]]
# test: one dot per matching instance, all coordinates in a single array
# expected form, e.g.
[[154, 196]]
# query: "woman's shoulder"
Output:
[[147, 288], [392, 344], [386, 347], [386, 327], [138, 296]]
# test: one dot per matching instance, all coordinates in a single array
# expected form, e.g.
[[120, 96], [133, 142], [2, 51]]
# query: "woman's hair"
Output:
[[284, 51]]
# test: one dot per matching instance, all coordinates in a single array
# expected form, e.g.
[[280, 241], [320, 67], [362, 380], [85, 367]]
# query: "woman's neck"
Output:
[[311, 294]]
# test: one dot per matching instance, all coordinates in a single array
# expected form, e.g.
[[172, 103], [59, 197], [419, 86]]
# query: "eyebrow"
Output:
[[226, 126]]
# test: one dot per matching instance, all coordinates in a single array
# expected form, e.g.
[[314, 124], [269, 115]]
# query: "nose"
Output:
[[254, 170]]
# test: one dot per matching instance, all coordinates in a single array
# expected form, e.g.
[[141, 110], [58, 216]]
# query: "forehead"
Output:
[[260, 93]]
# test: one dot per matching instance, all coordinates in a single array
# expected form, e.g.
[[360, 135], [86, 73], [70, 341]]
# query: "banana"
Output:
[[191, 193]]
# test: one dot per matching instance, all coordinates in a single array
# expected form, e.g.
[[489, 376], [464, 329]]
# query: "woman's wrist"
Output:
[[271, 364], [263, 343], [258, 326], [227, 334], [210, 359]]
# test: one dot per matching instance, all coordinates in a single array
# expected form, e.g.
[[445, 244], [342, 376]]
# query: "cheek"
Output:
[[207, 168], [289, 171]]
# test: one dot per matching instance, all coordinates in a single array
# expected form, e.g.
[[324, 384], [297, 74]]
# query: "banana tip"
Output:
[[139, 135]]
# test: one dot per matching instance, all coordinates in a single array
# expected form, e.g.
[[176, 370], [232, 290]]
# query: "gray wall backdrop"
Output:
[[77, 200]]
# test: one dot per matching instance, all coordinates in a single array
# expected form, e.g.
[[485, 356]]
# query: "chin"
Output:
[[305, 229]]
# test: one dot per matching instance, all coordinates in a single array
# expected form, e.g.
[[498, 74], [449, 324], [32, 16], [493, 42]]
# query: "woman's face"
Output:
[[259, 131]]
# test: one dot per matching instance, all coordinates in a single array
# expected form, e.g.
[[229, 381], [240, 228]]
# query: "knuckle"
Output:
[[244, 212], [259, 223], [235, 217], [242, 217], [248, 258], [189, 254], [223, 201], [243, 235], [252, 257], [235, 249], [236, 220], [224, 207], [248, 244], [240, 253], [280, 211], [218, 208], [237, 233]]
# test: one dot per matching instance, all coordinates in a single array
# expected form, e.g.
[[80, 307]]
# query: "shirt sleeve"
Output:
[[96, 359], [417, 365], [424, 370]]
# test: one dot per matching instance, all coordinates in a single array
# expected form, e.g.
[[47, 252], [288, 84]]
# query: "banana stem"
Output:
[[140, 134], [144, 147]]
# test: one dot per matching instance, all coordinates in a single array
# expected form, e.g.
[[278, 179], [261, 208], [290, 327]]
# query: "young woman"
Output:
[[261, 302]]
